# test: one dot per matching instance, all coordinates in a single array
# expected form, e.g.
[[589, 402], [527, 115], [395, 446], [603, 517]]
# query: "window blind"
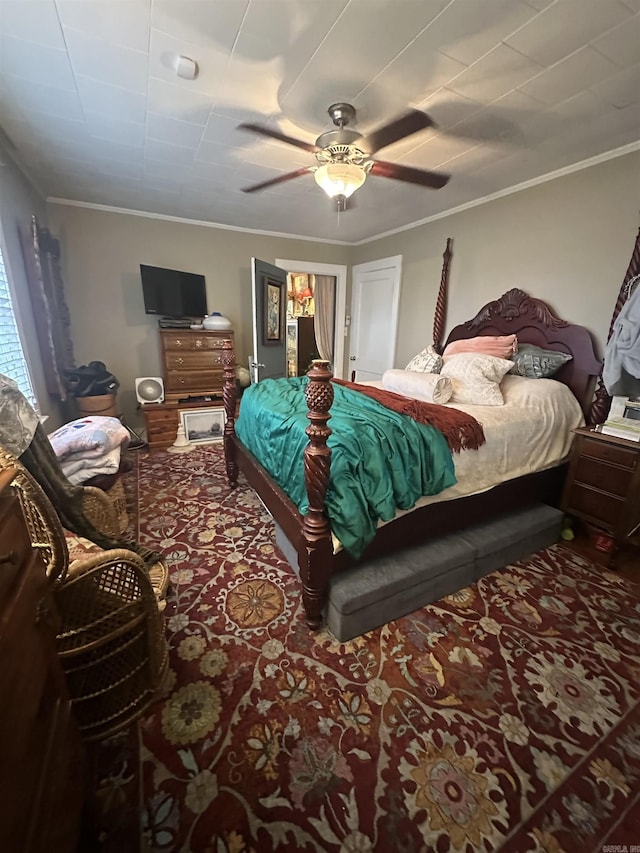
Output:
[[12, 360]]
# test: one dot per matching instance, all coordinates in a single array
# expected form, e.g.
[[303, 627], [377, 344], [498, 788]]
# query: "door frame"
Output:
[[339, 271]]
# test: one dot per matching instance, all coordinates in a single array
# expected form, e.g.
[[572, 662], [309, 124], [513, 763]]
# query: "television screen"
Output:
[[172, 293]]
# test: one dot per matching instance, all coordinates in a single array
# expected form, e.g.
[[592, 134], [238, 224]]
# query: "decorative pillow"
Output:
[[501, 346], [538, 363], [476, 378], [428, 387], [427, 361]]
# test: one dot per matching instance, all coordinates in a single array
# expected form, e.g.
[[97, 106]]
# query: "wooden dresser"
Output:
[[603, 485], [192, 362], [41, 751], [192, 368]]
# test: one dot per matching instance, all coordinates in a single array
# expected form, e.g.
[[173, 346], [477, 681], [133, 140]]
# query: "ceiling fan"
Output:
[[344, 155]]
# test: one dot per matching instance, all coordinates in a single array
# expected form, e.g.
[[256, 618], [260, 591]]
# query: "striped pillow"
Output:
[[500, 346]]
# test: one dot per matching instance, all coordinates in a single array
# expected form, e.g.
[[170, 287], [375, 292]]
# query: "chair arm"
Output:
[[106, 510], [102, 597]]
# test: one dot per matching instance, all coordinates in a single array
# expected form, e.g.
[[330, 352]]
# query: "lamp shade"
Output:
[[340, 178]]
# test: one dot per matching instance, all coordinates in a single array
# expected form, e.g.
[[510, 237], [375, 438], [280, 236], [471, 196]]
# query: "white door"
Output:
[[375, 298], [269, 300]]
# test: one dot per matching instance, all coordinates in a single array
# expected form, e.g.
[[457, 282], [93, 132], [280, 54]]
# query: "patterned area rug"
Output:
[[504, 717]]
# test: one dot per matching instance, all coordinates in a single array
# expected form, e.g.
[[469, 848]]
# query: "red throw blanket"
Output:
[[461, 431]]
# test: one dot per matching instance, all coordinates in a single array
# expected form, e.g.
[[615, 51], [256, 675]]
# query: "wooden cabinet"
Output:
[[192, 362], [301, 345], [603, 485], [162, 420], [41, 770], [192, 369]]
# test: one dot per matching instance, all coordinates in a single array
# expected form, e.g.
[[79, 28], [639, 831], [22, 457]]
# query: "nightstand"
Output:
[[602, 487]]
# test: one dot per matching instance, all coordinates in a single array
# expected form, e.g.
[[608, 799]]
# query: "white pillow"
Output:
[[428, 387], [426, 361], [476, 378]]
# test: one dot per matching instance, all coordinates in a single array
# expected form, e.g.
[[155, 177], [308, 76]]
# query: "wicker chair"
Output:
[[106, 509], [111, 632]]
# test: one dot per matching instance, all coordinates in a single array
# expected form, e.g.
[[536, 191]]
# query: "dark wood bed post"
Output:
[[315, 562], [229, 397], [439, 318]]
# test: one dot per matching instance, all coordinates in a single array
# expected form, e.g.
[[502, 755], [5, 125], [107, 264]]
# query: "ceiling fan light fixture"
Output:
[[340, 178]]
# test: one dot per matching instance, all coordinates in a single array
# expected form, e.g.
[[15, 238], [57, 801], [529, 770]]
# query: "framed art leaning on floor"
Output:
[[203, 425]]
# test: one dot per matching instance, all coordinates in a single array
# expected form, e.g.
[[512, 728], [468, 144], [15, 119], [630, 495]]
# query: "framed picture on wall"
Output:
[[273, 309], [203, 425]]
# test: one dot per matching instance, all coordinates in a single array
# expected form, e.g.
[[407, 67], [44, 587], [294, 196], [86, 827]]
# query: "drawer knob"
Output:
[[179, 360], [198, 343]]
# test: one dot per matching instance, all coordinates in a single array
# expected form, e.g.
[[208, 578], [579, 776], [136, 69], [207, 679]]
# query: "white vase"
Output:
[[216, 322]]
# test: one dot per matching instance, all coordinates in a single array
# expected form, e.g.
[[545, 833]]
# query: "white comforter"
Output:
[[531, 432]]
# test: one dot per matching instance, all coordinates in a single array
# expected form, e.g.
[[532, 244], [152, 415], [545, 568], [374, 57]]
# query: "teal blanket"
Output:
[[381, 461]]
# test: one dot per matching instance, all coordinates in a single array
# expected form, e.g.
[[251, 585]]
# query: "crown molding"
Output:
[[107, 208], [526, 185], [534, 182]]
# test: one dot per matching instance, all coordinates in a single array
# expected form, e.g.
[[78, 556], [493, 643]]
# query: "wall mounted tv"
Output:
[[172, 293]]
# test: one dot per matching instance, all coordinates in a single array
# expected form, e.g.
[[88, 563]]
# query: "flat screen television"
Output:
[[172, 293]]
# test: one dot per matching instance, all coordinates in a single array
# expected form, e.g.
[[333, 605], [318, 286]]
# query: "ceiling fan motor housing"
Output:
[[343, 136]]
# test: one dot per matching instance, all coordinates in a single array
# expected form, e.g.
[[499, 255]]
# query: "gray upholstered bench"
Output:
[[372, 594]]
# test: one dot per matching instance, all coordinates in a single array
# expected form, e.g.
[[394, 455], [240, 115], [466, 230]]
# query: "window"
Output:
[[12, 361]]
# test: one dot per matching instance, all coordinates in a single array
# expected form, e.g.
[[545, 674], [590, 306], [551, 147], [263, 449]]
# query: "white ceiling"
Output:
[[518, 88]]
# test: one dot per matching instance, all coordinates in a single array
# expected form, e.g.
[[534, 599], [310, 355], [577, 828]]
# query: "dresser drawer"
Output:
[[193, 342], [605, 510], [616, 454], [160, 418], [201, 360], [204, 381], [603, 476], [164, 437]]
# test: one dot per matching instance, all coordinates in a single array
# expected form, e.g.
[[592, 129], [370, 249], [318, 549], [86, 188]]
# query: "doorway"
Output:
[[375, 300], [303, 345], [339, 271]]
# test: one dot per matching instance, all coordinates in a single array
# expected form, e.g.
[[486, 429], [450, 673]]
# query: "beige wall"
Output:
[[19, 201], [567, 241], [102, 253]]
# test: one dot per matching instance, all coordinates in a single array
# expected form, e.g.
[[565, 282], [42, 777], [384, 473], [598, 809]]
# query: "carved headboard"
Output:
[[535, 323]]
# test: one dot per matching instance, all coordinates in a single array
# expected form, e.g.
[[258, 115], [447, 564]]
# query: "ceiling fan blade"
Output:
[[406, 124], [275, 134], [434, 180], [279, 180]]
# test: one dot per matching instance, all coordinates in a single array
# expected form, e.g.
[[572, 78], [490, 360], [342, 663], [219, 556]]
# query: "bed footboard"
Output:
[[310, 534]]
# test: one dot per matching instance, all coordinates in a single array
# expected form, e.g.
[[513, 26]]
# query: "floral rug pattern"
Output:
[[503, 717]]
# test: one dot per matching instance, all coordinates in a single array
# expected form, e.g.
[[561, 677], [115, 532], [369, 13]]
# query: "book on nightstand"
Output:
[[621, 427]]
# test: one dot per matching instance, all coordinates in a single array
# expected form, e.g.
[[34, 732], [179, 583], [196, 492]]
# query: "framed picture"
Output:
[[273, 308], [203, 425]]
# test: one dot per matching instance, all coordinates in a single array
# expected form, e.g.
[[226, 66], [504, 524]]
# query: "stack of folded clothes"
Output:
[[89, 447]]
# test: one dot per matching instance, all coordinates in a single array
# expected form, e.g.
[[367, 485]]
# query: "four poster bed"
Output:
[[450, 507]]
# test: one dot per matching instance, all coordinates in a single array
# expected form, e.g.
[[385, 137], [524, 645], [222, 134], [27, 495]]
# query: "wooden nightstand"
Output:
[[602, 487]]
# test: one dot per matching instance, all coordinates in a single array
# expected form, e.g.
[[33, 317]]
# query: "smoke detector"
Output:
[[186, 68]]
